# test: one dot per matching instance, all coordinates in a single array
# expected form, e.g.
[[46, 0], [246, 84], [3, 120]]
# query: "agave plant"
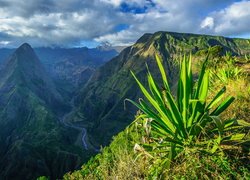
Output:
[[187, 120], [225, 74], [247, 58]]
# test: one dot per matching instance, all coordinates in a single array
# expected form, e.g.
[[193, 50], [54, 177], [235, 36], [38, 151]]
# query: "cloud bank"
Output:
[[121, 22]]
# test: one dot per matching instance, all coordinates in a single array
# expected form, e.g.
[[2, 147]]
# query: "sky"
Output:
[[76, 23]]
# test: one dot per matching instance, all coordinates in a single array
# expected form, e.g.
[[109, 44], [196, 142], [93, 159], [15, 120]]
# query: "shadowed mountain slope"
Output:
[[32, 139]]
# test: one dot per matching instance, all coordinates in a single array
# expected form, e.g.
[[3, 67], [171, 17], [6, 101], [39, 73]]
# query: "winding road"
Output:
[[68, 124]]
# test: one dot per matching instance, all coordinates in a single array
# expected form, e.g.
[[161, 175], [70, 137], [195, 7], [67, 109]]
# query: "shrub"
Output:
[[186, 122]]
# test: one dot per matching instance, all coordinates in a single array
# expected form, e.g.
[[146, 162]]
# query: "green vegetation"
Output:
[[116, 160], [121, 160], [112, 83], [190, 121], [32, 141], [192, 135]]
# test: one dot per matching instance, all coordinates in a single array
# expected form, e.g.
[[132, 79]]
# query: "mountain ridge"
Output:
[[61, 63], [24, 69], [112, 83], [31, 132]]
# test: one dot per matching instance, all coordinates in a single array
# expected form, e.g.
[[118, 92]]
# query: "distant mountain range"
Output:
[[70, 64], [49, 96]]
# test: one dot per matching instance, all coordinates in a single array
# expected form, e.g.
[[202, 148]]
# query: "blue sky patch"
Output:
[[121, 27], [136, 9]]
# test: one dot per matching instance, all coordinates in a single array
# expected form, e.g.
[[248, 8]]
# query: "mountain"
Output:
[[24, 70], [32, 138], [43, 131], [35, 98], [101, 101], [69, 63], [72, 67], [106, 46], [4, 54], [100, 104], [82, 55]]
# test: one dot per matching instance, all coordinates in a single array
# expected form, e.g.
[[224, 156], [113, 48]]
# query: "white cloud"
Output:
[[232, 20], [162, 17], [63, 28], [4, 43], [71, 22], [208, 22], [180, 16], [122, 38], [115, 3]]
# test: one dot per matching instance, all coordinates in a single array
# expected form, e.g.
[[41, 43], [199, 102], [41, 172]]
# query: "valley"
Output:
[[124, 90], [33, 113], [59, 106], [112, 83], [82, 129]]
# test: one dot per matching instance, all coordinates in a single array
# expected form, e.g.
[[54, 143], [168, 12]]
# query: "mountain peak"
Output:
[[25, 55], [25, 47], [24, 70], [145, 37]]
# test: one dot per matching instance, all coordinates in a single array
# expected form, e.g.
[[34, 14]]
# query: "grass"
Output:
[[127, 157], [186, 121], [121, 160], [117, 161]]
